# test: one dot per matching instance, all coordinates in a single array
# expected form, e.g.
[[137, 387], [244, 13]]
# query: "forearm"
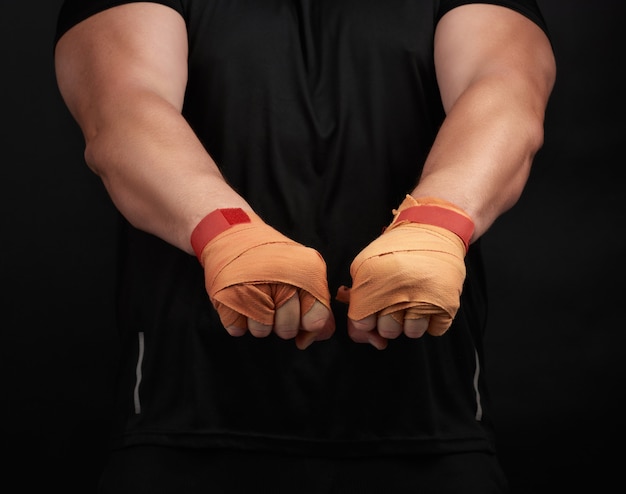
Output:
[[123, 75], [495, 90], [483, 152], [155, 169]]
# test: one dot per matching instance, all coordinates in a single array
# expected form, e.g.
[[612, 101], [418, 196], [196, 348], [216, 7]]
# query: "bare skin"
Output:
[[123, 74], [495, 91]]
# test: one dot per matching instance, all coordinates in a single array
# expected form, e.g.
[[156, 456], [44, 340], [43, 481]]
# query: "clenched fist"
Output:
[[409, 279], [260, 280]]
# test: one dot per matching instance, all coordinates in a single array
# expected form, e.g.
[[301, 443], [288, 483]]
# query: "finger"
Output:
[[287, 318], [415, 328], [364, 325], [235, 323], [363, 331], [439, 324], [317, 324], [259, 330], [389, 327], [236, 331], [268, 298], [316, 318]]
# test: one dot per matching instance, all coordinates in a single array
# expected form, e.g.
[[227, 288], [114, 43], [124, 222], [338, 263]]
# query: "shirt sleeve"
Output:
[[528, 8], [74, 11]]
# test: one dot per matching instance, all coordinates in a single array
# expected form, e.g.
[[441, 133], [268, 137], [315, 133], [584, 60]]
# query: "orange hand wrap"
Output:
[[416, 268], [251, 269]]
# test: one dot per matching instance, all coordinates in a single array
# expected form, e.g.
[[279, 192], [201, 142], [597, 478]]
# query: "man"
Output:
[[256, 150]]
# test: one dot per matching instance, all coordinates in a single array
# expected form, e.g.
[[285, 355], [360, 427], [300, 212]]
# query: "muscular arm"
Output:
[[122, 74], [495, 70]]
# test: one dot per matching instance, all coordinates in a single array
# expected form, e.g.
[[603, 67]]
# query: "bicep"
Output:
[[133, 49], [480, 40]]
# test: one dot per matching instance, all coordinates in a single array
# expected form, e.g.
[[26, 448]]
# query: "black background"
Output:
[[556, 340]]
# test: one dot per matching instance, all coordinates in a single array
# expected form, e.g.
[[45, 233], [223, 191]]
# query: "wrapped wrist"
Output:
[[436, 212], [213, 224]]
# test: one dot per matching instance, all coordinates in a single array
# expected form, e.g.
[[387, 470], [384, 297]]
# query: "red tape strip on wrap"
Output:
[[437, 216], [213, 224]]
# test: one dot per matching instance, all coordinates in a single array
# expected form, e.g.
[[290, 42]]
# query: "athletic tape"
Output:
[[213, 224], [438, 216]]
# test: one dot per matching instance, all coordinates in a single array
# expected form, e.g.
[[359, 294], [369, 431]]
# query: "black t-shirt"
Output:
[[320, 113]]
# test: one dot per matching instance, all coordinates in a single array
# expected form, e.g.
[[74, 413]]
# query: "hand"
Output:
[[409, 280], [262, 282]]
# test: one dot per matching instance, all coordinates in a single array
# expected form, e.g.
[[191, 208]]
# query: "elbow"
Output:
[[533, 130], [538, 92], [533, 140], [535, 137], [102, 150], [93, 154]]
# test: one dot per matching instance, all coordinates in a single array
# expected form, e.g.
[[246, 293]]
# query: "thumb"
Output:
[[318, 324]]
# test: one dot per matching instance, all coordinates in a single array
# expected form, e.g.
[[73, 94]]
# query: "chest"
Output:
[[313, 38]]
